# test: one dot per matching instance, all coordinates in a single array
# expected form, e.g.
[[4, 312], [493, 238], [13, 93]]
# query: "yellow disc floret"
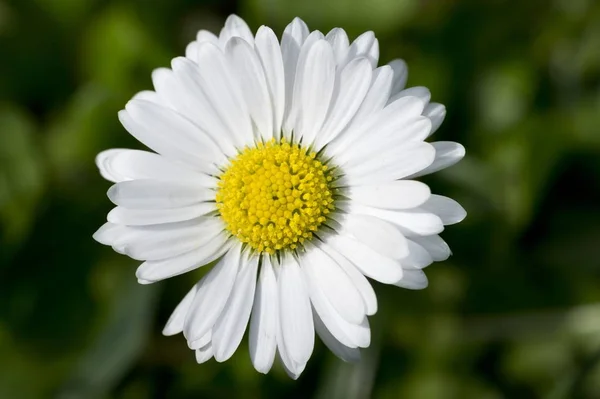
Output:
[[274, 196]]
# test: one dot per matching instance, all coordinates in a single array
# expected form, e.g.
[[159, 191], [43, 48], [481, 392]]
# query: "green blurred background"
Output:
[[515, 313]]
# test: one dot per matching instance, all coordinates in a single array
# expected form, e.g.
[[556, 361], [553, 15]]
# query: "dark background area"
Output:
[[515, 313]]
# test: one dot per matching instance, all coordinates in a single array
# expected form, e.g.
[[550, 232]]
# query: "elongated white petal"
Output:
[[171, 242], [175, 323], [191, 51], [349, 334], [206, 36], [264, 321], [385, 124], [205, 340], [212, 295], [292, 41], [365, 45], [217, 82], [170, 134], [235, 27], [368, 261], [411, 222], [342, 351], [338, 39], [450, 211], [107, 233], [269, 52], [351, 87], [231, 325], [437, 248], [294, 312], [422, 93], [418, 257], [194, 102], [204, 354], [119, 165], [251, 77], [358, 279], [313, 88], [447, 153], [400, 194], [153, 271], [377, 234], [413, 279], [144, 217], [335, 284], [400, 75], [152, 194], [436, 113], [392, 164], [377, 96]]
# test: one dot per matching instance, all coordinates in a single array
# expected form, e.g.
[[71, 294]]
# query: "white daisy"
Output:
[[291, 165]]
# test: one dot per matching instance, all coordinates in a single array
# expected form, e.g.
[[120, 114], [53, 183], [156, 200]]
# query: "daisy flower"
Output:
[[290, 168]]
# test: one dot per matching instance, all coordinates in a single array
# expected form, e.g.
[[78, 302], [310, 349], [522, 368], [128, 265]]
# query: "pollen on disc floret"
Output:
[[274, 196]]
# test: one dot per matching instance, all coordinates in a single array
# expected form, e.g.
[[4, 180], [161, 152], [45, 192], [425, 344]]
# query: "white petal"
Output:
[[400, 75], [292, 40], [352, 85], [313, 88], [235, 27], [151, 96], [377, 96], [206, 36], [436, 113], [358, 279], [437, 248], [212, 295], [447, 209], [377, 234], [349, 334], [420, 92], [399, 194], [231, 325], [218, 83], [153, 271], [169, 240], [193, 101], [144, 217], [107, 233], [204, 354], [338, 39], [294, 313], [119, 165], [170, 134], [251, 77], [153, 194], [336, 285], [411, 222], [447, 153], [413, 279], [365, 45], [175, 323], [385, 124], [418, 256], [206, 339], [269, 52], [391, 165], [264, 321], [191, 51], [369, 262], [342, 351]]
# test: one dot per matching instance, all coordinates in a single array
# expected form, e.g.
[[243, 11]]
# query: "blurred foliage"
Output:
[[515, 313]]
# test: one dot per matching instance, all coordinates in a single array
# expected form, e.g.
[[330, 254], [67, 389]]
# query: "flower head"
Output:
[[291, 165]]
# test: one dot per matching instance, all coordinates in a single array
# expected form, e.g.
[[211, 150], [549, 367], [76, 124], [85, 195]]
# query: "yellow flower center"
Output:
[[275, 195]]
